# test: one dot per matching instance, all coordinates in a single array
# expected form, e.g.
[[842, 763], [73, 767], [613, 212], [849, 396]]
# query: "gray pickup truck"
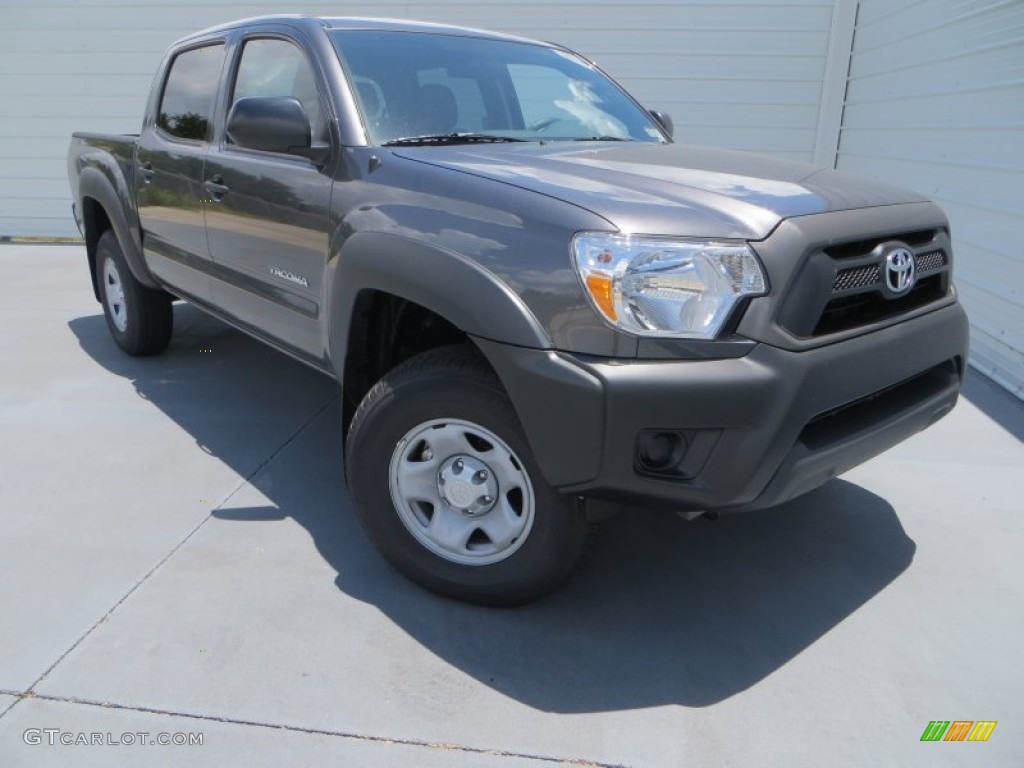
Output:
[[533, 299]]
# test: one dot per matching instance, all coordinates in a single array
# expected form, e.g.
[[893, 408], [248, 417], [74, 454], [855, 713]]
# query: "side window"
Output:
[[278, 68], [186, 105]]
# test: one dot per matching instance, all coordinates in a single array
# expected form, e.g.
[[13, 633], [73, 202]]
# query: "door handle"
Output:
[[215, 186], [146, 171]]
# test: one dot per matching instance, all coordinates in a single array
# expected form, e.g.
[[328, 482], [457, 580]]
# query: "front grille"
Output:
[[858, 277], [842, 287], [927, 262], [871, 274], [855, 310], [858, 248]]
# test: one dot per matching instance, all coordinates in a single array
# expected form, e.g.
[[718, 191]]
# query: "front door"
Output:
[[267, 224]]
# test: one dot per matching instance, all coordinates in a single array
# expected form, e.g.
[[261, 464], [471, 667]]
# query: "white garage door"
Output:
[[935, 102], [746, 75]]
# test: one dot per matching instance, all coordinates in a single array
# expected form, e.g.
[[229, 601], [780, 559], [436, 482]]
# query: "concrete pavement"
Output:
[[178, 555]]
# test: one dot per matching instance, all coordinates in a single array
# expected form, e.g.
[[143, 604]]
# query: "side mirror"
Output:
[[664, 120], [274, 124]]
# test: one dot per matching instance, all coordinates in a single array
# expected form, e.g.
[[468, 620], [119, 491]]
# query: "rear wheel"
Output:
[[445, 484], [139, 318]]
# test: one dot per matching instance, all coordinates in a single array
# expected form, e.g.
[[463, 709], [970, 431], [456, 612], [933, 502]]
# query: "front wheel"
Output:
[[445, 484]]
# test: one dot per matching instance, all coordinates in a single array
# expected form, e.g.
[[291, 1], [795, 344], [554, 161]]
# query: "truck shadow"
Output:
[[663, 612]]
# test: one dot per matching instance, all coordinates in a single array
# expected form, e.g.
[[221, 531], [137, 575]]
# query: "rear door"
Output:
[[268, 221], [169, 169]]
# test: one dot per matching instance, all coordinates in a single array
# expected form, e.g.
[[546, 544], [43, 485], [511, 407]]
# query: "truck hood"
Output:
[[669, 189]]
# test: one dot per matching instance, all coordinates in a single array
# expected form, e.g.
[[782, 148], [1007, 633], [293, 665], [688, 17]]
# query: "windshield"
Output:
[[411, 85]]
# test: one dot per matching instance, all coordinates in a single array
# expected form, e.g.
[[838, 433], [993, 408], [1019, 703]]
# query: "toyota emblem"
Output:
[[900, 271]]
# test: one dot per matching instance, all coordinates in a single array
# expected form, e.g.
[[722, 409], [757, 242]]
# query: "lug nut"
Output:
[[487, 499], [457, 466], [481, 476]]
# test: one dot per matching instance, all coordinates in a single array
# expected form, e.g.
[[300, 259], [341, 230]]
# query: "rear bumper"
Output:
[[755, 431]]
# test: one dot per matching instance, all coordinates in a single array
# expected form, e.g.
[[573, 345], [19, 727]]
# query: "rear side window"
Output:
[[186, 106], [272, 67]]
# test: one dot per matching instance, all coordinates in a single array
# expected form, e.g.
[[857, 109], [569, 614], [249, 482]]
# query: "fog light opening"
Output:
[[660, 451]]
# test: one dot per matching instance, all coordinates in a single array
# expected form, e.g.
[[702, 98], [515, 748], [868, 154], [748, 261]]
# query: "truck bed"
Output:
[[113, 155]]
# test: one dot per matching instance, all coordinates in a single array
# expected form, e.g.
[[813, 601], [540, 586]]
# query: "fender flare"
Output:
[[448, 284], [96, 183]]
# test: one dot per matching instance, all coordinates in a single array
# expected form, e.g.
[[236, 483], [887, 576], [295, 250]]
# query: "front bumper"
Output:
[[759, 429]]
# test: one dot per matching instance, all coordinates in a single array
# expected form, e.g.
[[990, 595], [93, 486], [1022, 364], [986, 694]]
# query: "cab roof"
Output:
[[356, 23]]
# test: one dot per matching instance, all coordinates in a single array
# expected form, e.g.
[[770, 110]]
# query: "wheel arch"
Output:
[[455, 298], [103, 209]]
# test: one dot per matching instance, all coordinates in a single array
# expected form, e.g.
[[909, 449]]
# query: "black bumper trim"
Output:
[[582, 415]]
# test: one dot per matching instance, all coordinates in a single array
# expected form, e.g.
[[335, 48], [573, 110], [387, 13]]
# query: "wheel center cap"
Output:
[[459, 493], [467, 484]]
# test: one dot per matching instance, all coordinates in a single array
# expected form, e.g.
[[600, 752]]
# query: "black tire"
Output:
[[139, 318], [454, 384]]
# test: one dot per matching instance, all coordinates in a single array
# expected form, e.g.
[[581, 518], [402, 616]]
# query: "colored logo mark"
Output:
[[958, 730]]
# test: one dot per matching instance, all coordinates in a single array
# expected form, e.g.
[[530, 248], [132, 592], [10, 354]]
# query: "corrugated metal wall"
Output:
[[746, 75], [935, 102]]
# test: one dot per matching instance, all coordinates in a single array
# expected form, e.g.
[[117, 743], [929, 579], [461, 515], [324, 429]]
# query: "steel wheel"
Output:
[[139, 318], [113, 292], [461, 492], [443, 480]]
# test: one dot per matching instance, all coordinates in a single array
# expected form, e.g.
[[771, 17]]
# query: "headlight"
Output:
[[655, 287]]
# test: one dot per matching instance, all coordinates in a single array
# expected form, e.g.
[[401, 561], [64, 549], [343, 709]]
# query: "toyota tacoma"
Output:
[[535, 302]]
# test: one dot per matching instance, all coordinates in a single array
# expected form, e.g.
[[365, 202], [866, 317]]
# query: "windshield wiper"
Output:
[[603, 138], [450, 138]]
